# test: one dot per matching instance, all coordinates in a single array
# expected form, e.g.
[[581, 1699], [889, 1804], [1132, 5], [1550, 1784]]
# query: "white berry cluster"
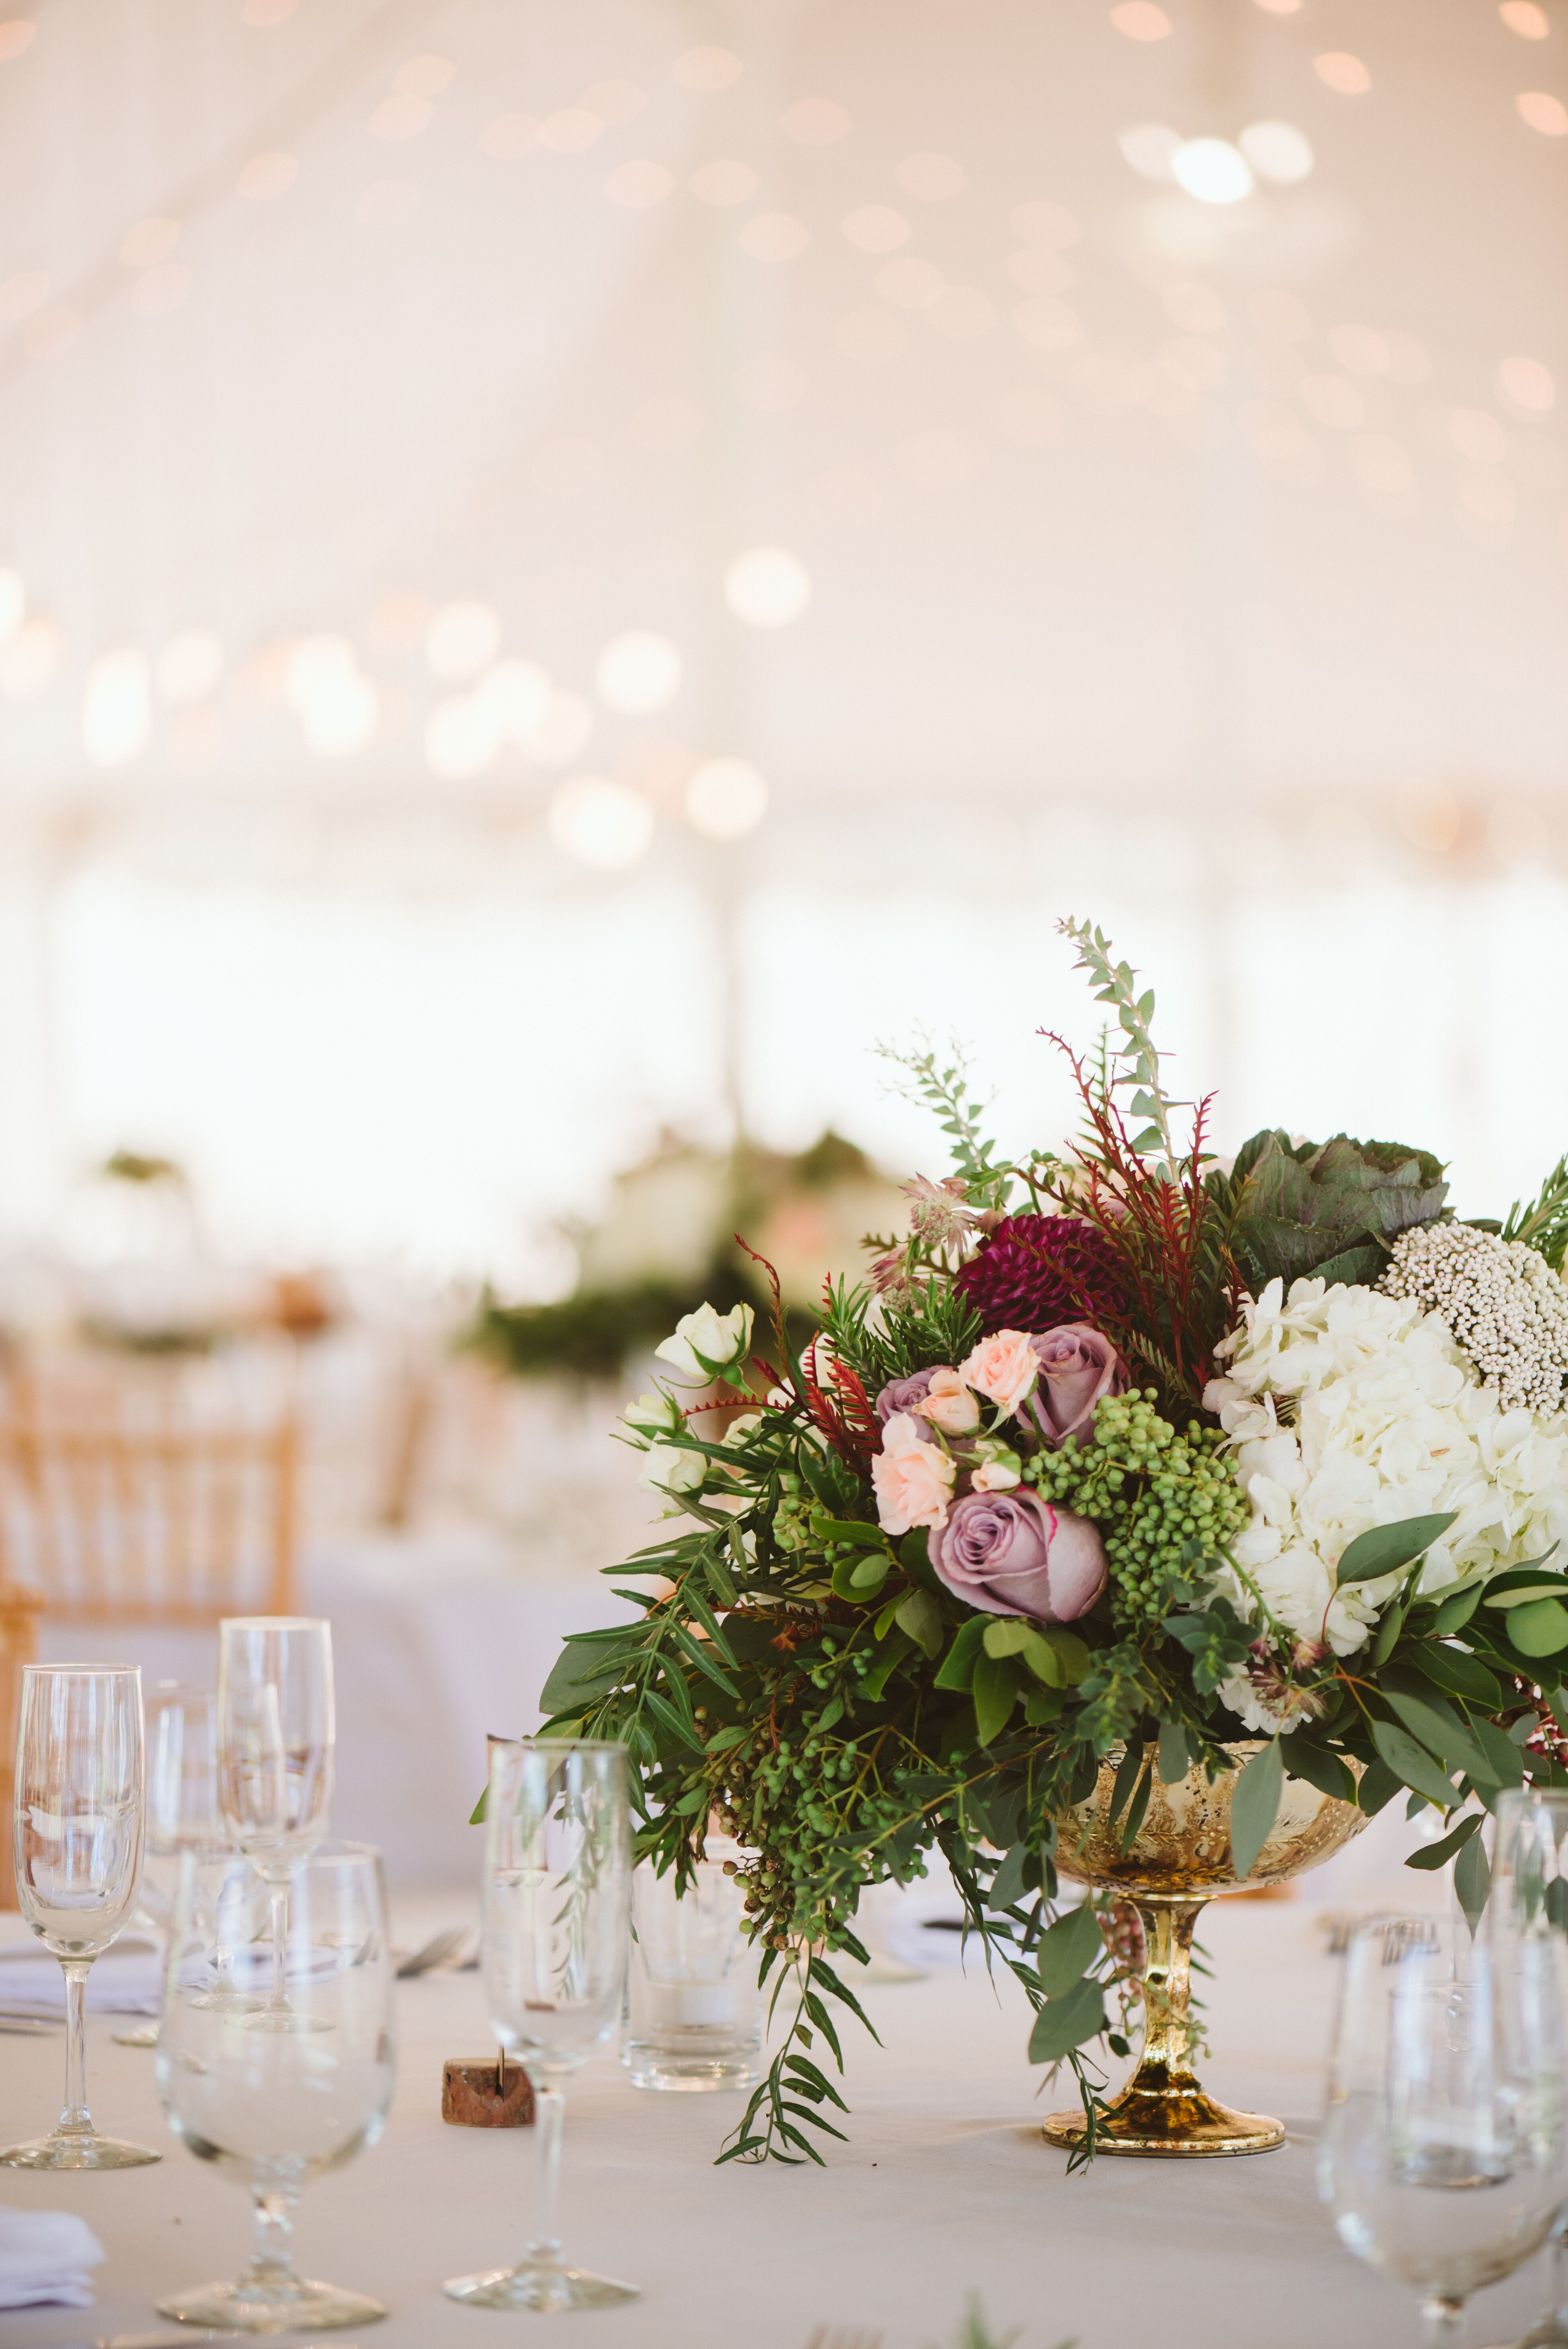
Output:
[[1502, 1302]]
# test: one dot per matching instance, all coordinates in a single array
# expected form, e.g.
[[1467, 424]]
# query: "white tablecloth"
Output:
[[946, 2189], [435, 1641]]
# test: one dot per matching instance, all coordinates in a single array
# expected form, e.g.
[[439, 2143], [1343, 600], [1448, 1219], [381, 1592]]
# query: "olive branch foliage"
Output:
[[800, 1677]]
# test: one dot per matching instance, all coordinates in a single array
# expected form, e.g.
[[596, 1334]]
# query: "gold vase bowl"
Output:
[[1178, 1859]]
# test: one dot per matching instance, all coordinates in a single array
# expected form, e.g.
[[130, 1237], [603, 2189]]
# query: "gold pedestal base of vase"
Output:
[[1184, 2124], [1181, 1855]]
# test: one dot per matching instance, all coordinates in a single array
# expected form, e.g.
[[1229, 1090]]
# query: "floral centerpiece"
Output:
[[1120, 1450]]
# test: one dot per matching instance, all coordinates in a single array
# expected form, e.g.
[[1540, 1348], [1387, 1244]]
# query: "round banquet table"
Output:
[[944, 2189]]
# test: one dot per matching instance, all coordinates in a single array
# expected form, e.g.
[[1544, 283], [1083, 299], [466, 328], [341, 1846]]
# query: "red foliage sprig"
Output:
[[1181, 1284]]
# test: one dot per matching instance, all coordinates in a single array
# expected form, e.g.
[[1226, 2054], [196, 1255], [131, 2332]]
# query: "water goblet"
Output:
[[1444, 2154], [1528, 1896], [557, 1906], [276, 1739], [79, 1828], [277, 2108], [182, 1808]]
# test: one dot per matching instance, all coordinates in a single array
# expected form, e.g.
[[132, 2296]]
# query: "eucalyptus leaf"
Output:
[[1472, 1881], [1064, 2023], [1411, 1763], [995, 1689], [1173, 1763], [1007, 1884], [1068, 1949], [1539, 1628], [1255, 1807], [920, 1616], [1438, 1854], [1384, 1550]]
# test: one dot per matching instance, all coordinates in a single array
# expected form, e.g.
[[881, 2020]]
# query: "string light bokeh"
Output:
[[564, 569]]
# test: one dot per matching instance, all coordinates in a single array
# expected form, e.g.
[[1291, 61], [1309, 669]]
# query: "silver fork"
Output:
[[441, 1950]]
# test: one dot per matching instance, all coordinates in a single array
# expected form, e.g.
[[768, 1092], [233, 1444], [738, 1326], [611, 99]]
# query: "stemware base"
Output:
[[144, 2035], [77, 2149], [281, 2019], [541, 2284], [291, 2304]]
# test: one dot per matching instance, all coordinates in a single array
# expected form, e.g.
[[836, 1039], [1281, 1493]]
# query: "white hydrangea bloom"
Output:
[[1347, 1409]]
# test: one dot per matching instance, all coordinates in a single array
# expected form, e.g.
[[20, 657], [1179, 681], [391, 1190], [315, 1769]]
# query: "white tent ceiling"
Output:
[[1162, 554], [1110, 515]]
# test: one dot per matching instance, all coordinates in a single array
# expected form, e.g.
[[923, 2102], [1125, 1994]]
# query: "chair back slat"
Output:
[[155, 1525]]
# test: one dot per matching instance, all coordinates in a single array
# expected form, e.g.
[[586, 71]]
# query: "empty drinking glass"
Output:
[[182, 1807], [694, 2016], [276, 1740], [278, 2109], [78, 1827], [1444, 2154], [557, 1898]]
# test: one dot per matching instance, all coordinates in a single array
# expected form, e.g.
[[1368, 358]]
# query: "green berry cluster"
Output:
[[792, 1517], [796, 1803], [1162, 1501]]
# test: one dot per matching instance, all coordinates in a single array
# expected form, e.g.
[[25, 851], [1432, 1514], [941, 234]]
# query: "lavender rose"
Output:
[[904, 1395], [1076, 1367], [1011, 1554]]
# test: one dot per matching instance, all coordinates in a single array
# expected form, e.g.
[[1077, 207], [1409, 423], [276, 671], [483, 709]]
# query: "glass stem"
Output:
[[278, 1896], [271, 2266], [75, 2119], [548, 2112], [1442, 2322]]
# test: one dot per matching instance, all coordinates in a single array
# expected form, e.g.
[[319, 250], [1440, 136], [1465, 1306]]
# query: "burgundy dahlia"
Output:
[[1036, 1271]]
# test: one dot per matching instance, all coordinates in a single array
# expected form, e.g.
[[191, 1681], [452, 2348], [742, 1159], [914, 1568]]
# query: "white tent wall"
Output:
[[1201, 566]]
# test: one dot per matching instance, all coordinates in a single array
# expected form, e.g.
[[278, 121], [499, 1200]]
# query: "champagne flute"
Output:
[[276, 2109], [1444, 2154], [557, 1910], [78, 1827], [182, 1808], [276, 1735]]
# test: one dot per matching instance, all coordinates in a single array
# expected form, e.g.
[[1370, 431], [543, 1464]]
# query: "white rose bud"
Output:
[[672, 1469], [708, 1345], [654, 1415]]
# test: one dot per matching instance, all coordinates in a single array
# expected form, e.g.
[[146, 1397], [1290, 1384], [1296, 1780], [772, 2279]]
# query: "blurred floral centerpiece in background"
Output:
[[1119, 1452], [667, 1246]]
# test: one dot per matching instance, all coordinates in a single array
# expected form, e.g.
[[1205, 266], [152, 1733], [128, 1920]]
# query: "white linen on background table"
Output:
[[946, 2189], [436, 1640], [127, 1979]]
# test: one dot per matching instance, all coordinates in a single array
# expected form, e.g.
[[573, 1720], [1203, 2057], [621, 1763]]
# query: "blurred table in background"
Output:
[[437, 1640]]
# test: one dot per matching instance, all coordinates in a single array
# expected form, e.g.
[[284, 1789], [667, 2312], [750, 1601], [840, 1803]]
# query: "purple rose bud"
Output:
[[1076, 1367], [1012, 1554], [904, 1394]]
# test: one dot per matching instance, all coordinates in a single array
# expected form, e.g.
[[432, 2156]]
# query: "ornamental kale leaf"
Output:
[[1332, 1209]]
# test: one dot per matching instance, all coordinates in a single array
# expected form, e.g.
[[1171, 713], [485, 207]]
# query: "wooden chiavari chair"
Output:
[[18, 1646], [163, 1523]]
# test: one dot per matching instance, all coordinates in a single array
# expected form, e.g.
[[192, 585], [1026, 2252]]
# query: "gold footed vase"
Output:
[[1178, 1859]]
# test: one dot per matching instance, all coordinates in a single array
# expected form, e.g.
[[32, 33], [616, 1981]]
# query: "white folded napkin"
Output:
[[127, 1980], [45, 2256]]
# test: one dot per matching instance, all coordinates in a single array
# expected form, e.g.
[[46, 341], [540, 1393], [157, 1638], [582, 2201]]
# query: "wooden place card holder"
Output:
[[485, 2092]]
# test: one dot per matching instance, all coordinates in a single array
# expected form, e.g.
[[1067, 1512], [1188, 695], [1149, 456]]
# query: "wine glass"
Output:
[[1444, 2154], [557, 1910], [276, 1736], [78, 1827], [279, 2109], [182, 1808], [1528, 1897]]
